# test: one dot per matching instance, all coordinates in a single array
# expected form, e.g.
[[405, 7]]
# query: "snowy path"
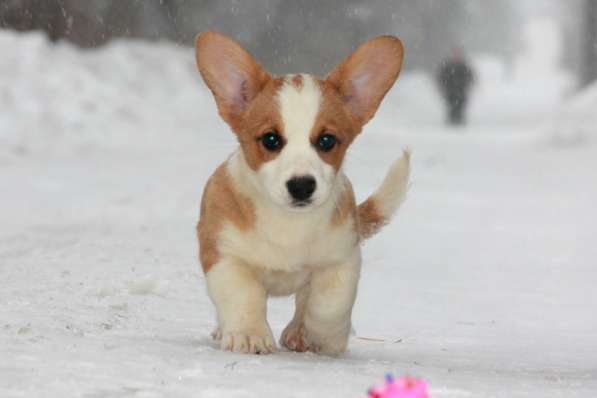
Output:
[[484, 285]]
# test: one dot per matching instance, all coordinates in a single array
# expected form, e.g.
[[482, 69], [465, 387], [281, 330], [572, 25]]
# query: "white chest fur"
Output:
[[289, 243], [283, 252], [282, 246]]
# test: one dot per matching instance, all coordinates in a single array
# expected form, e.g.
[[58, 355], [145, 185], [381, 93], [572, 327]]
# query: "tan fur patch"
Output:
[[230, 72], [297, 81], [244, 92], [262, 115], [220, 203], [334, 118], [370, 220]]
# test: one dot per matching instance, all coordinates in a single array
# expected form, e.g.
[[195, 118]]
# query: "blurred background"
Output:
[[312, 36], [472, 61]]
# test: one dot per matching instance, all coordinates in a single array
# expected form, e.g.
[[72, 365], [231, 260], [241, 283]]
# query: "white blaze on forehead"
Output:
[[299, 106], [298, 102]]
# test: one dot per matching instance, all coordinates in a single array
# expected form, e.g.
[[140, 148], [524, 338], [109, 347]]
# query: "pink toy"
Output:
[[404, 387]]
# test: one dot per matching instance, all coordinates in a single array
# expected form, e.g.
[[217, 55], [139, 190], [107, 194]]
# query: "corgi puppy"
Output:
[[279, 216]]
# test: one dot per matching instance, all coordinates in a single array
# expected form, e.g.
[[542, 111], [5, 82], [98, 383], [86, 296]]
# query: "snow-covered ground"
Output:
[[484, 285]]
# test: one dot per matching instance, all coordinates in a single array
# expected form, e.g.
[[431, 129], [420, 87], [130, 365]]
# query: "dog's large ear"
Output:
[[230, 72], [364, 78]]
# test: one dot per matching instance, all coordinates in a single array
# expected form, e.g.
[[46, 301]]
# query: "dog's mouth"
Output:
[[301, 204]]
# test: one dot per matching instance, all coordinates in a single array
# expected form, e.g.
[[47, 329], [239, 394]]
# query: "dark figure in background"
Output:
[[455, 79]]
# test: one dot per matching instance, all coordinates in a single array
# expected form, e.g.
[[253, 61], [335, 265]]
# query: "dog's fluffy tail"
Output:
[[378, 209]]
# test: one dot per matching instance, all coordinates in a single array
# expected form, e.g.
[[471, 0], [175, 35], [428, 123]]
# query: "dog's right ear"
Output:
[[230, 72], [364, 78]]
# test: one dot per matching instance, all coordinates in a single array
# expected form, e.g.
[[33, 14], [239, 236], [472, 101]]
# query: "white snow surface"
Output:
[[484, 284]]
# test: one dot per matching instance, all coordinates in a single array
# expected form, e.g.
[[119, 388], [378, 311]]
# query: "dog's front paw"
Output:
[[248, 343], [328, 344], [327, 339], [294, 339]]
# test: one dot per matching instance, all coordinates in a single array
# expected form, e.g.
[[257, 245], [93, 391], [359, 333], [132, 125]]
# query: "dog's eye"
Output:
[[272, 141], [326, 142]]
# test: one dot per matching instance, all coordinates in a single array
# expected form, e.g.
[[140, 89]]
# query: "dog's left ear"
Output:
[[364, 78], [230, 72]]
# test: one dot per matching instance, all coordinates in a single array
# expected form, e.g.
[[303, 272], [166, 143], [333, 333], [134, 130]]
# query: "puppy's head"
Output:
[[294, 130]]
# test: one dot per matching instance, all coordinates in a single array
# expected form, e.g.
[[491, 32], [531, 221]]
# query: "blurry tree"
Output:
[[33, 14], [432, 28], [313, 35], [133, 18], [589, 70], [240, 19], [298, 35], [92, 23], [570, 13]]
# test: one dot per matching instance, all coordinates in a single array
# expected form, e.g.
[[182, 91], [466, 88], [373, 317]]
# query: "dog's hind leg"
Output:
[[241, 305]]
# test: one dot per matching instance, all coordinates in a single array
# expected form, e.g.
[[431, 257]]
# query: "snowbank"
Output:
[[575, 124], [58, 98]]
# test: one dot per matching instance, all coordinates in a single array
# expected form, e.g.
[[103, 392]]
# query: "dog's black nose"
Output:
[[301, 188]]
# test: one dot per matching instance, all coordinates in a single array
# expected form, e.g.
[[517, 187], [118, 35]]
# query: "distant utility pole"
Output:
[[589, 73]]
